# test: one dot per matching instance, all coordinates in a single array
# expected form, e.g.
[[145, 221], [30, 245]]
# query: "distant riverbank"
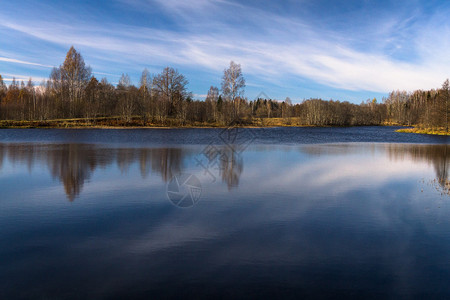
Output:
[[139, 123]]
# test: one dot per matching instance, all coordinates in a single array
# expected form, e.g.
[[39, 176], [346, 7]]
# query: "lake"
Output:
[[238, 213]]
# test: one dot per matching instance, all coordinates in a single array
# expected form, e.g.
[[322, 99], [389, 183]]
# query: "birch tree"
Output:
[[444, 94], [211, 103], [233, 85], [3, 91], [145, 95], [75, 74]]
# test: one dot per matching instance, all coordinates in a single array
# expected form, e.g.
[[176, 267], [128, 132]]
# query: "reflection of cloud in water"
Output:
[[74, 164], [334, 169], [284, 226], [324, 165], [436, 155], [210, 240]]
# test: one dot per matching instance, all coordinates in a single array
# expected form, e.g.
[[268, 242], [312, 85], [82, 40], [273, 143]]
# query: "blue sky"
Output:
[[343, 50]]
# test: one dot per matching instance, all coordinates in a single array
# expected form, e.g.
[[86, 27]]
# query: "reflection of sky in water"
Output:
[[333, 219]]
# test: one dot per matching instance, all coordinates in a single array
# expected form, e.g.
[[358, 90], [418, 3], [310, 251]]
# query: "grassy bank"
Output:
[[433, 131], [137, 122]]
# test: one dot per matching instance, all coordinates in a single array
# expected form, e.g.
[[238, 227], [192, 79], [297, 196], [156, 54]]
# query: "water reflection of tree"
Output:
[[231, 167], [2, 152], [437, 155], [74, 164]]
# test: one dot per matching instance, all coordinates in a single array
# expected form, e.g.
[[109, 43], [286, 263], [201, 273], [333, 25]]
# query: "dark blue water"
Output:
[[280, 213], [165, 137]]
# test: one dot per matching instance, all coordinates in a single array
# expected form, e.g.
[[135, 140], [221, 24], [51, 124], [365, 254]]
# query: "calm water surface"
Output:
[[280, 212]]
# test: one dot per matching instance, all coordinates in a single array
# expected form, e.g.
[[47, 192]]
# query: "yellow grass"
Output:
[[433, 131], [136, 122]]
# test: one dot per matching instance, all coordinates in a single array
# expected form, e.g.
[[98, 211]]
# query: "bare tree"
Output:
[[286, 108], [233, 85], [3, 90], [91, 105], [211, 103], [445, 96], [126, 101], [31, 100], [108, 98], [75, 77], [171, 89], [145, 95]]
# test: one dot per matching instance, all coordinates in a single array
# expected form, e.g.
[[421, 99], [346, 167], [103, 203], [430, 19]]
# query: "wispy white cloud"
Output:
[[106, 74], [20, 77], [272, 48], [17, 61]]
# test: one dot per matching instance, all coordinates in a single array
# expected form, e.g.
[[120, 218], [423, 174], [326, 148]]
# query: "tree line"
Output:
[[74, 164], [71, 91]]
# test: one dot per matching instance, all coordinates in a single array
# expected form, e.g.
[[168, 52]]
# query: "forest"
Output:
[[72, 93]]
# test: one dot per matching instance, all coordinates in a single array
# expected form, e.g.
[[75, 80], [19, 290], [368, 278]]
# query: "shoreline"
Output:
[[45, 125], [429, 131], [110, 123]]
